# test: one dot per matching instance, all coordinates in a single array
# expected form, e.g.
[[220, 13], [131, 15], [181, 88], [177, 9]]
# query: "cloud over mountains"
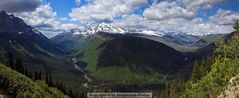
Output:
[[103, 11], [37, 14], [168, 15], [19, 5], [160, 15]]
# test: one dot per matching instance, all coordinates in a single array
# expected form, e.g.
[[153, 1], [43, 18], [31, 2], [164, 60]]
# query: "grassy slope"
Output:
[[24, 86], [90, 52]]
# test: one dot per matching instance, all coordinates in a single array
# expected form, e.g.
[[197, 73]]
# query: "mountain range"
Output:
[[35, 50], [104, 52], [178, 40]]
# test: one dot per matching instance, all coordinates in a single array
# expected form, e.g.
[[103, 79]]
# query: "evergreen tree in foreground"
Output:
[[10, 60], [19, 66], [236, 26]]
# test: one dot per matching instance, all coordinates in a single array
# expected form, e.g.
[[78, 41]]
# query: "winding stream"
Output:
[[74, 60]]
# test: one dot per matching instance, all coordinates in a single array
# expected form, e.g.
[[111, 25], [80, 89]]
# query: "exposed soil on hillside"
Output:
[[232, 89], [1, 93]]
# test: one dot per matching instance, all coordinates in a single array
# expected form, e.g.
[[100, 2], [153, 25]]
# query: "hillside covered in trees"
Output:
[[206, 77], [225, 66], [210, 76], [16, 81], [17, 85]]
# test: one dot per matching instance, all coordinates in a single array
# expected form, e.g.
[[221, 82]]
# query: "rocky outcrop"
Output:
[[232, 89]]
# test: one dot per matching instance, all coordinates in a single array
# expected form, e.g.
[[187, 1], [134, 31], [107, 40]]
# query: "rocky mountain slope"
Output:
[[35, 50], [181, 41], [13, 30]]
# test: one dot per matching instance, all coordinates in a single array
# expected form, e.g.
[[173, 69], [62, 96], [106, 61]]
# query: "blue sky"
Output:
[[232, 5], [199, 17], [64, 7]]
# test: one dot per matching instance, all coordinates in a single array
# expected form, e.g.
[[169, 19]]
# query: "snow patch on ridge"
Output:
[[103, 27]]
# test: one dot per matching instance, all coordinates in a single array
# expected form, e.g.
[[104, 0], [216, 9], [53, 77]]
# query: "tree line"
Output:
[[17, 64]]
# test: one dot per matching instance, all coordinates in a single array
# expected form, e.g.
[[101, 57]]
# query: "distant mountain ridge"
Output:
[[110, 28], [72, 38], [103, 27], [105, 52], [104, 48], [103, 55]]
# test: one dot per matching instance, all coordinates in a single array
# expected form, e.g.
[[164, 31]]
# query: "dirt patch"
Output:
[[1, 93], [232, 89]]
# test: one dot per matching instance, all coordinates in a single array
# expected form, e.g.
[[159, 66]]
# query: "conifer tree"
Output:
[[40, 75], [26, 72], [10, 60], [19, 66], [70, 92], [236, 26], [35, 76], [47, 78], [195, 73], [50, 80], [30, 76]]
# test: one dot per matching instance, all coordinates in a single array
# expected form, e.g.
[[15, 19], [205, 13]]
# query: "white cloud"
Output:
[[167, 9], [45, 20], [63, 18], [194, 5], [69, 26], [43, 15], [101, 11], [51, 32], [177, 16], [193, 26], [224, 17], [135, 3], [78, 2], [131, 21], [174, 16]]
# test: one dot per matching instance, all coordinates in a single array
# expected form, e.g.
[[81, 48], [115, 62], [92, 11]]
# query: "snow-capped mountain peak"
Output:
[[108, 28], [153, 33], [112, 29], [103, 27]]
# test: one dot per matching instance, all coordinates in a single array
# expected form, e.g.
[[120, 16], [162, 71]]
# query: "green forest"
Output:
[[210, 76], [208, 79], [17, 85], [17, 82]]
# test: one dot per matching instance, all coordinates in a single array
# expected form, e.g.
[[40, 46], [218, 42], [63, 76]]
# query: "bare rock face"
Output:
[[10, 23], [14, 30]]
